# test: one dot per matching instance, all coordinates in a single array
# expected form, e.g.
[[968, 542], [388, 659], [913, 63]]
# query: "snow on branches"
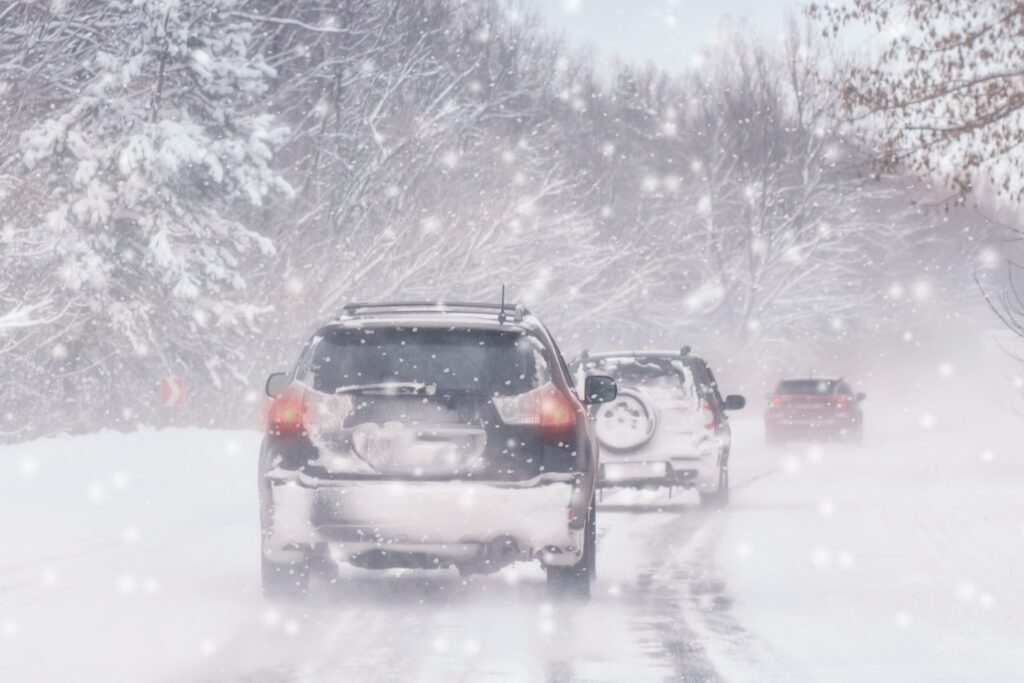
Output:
[[135, 165], [145, 162], [946, 93], [945, 96]]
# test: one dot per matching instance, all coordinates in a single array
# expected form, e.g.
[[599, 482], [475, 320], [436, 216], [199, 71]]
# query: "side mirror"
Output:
[[735, 402], [861, 396], [277, 383], [599, 389]]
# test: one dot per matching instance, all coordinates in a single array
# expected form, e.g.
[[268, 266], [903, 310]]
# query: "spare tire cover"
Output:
[[628, 422]]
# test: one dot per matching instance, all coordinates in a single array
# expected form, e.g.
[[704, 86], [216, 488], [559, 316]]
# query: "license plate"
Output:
[[628, 471]]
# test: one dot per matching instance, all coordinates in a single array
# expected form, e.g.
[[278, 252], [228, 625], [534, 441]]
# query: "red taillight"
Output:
[[557, 411], [776, 401], [287, 415], [708, 413], [546, 407], [557, 415], [840, 401]]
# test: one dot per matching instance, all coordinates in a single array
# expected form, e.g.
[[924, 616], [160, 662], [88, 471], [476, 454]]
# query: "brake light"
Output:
[[776, 401], [288, 415], [708, 413], [556, 412], [545, 407], [840, 401]]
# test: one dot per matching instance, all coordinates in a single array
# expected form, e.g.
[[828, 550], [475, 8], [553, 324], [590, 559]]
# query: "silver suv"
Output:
[[425, 435]]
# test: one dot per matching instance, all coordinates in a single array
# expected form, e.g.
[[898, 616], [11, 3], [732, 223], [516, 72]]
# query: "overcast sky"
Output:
[[666, 32]]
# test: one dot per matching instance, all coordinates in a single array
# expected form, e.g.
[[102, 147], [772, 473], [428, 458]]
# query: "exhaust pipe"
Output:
[[494, 555], [504, 549]]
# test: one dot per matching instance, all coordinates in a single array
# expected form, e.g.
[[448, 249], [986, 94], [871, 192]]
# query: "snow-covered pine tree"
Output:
[[145, 166]]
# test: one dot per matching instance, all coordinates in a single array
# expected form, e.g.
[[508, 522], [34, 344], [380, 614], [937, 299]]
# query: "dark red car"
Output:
[[814, 410]]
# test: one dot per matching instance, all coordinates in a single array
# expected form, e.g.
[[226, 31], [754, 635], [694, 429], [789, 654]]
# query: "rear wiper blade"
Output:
[[389, 389]]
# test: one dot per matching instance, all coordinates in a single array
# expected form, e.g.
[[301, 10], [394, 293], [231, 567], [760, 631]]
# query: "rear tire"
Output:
[[285, 581], [716, 500], [857, 438], [574, 581]]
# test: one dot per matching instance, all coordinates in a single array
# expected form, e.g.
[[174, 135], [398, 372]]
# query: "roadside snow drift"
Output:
[[125, 555]]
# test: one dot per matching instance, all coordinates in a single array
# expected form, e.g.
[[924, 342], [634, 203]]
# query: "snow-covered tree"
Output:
[[144, 164], [138, 169], [440, 169], [944, 95], [437, 149], [749, 201]]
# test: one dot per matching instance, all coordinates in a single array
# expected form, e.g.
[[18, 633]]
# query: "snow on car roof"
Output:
[[811, 379], [635, 354], [434, 319]]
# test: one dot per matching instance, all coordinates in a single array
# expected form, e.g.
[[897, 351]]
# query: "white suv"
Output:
[[668, 424]]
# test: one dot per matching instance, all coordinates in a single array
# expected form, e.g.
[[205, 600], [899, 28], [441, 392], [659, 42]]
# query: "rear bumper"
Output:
[[692, 471], [832, 428], [424, 523]]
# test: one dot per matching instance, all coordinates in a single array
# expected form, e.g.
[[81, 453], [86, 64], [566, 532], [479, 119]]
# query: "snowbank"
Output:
[[125, 555]]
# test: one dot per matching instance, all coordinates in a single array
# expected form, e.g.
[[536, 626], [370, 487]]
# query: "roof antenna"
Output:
[[501, 313]]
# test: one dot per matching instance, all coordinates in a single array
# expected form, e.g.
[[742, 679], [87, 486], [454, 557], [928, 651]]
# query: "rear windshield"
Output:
[[806, 387], [642, 370], [489, 362], [647, 372]]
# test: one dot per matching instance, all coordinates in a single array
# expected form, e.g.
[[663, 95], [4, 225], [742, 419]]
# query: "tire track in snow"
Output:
[[372, 626]]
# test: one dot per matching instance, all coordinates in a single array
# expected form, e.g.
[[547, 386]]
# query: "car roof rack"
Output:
[[683, 352], [501, 310]]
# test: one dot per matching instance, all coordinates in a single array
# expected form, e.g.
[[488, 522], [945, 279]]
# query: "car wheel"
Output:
[[285, 581], [718, 499], [592, 542], [857, 437], [574, 581]]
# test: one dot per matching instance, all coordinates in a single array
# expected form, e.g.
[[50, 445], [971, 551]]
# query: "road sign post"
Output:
[[172, 392]]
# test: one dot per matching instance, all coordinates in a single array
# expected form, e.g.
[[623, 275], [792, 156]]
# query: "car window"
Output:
[[806, 387], [706, 379], [660, 375], [639, 371], [490, 362]]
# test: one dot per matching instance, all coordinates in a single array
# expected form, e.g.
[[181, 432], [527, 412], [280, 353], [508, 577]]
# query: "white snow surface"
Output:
[[896, 562], [135, 557], [126, 556]]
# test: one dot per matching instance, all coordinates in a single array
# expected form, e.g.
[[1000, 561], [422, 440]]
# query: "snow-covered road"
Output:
[[897, 562], [135, 558]]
